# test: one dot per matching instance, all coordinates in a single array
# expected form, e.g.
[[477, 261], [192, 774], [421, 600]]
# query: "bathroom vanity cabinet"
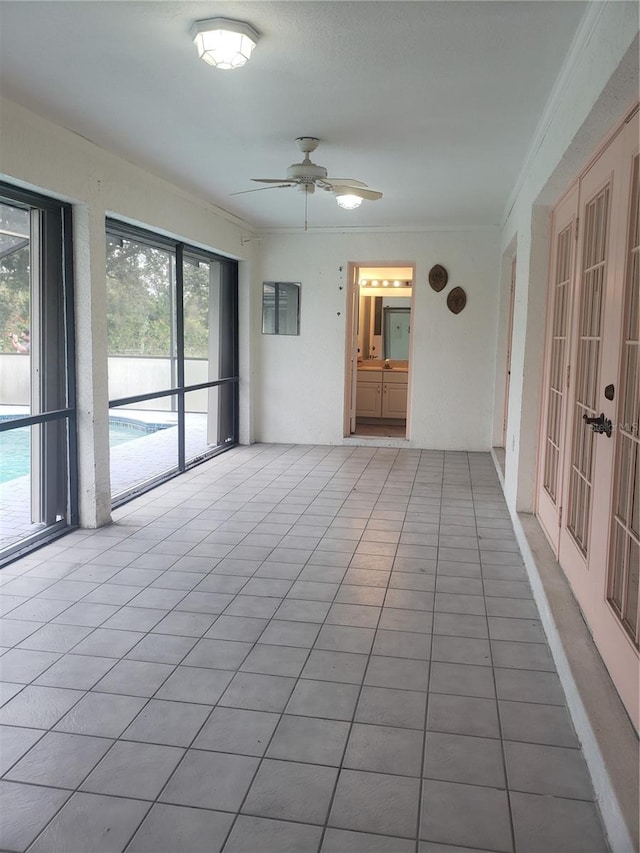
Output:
[[381, 393]]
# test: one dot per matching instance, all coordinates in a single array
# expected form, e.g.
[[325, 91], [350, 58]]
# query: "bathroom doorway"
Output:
[[378, 350]]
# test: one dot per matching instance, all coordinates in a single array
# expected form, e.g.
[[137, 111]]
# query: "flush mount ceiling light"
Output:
[[224, 43]]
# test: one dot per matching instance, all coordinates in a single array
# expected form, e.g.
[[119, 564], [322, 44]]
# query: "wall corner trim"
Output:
[[580, 41]]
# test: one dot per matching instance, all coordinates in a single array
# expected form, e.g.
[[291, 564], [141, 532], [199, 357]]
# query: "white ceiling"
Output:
[[433, 103]]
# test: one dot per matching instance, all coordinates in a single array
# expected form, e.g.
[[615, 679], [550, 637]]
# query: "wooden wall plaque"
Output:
[[456, 300], [438, 277]]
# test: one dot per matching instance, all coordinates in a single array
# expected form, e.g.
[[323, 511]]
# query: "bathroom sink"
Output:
[[377, 366]]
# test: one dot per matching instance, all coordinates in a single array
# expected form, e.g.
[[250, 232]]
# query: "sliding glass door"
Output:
[[172, 326], [37, 406]]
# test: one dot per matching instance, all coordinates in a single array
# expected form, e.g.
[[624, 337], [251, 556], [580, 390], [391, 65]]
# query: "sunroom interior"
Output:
[[160, 316]]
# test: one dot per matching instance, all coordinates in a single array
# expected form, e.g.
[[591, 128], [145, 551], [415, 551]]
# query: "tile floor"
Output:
[[289, 649], [387, 430]]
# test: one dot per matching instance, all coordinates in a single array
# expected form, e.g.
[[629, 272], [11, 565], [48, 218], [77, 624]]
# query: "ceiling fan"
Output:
[[308, 176]]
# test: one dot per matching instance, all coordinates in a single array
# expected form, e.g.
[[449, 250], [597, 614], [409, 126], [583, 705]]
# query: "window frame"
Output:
[[52, 302], [278, 286], [229, 350]]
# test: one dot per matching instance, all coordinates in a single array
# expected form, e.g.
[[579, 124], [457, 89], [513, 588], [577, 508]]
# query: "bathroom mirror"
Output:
[[384, 327]]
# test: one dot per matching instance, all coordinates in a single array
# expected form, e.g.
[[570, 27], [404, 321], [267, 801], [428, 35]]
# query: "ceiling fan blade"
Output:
[[345, 182], [287, 181], [258, 189], [361, 192]]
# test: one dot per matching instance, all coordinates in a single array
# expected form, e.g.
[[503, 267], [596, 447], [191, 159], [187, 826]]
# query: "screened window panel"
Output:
[[173, 340]]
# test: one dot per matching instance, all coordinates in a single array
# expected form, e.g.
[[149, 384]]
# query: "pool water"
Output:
[[118, 434], [15, 446]]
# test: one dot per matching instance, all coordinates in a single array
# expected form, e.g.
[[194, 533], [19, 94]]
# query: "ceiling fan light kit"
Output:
[[224, 43]]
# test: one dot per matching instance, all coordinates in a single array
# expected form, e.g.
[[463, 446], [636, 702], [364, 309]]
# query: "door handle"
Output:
[[600, 424]]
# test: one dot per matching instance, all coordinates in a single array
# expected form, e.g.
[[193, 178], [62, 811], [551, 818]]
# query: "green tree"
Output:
[[141, 293], [196, 309], [14, 274], [139, 289]]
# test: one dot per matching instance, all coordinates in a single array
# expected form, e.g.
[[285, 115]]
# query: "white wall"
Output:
[[154, 373], [299, 381], [15, 379], [49, 159], [597, 87]]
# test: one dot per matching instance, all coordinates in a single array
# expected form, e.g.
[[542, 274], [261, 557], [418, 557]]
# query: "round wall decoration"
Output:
[[456, 300], [438, 277]]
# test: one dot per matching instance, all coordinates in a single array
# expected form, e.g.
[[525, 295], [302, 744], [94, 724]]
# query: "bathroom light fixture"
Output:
[[224, 43], [348, 201], [374, 282]]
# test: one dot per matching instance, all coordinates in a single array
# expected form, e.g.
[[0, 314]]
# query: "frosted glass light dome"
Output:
[[224, 43], [348, 201]]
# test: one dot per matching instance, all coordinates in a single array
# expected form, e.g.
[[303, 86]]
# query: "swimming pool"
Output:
[[15, 444]]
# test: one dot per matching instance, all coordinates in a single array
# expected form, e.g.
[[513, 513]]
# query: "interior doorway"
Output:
[[378, 350]]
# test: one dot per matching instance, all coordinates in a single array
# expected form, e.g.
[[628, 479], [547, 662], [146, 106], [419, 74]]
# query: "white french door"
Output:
[[352, 349], [588, 474], [507, 378], [552, 446], [625, 522]]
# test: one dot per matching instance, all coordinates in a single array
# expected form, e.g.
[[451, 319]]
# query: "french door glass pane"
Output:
[[557, 366], [624, 565], [588, 363]]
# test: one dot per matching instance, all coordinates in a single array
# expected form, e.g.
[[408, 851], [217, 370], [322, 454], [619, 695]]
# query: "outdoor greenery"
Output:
[[196, 309], [141, 293], [14, 274]]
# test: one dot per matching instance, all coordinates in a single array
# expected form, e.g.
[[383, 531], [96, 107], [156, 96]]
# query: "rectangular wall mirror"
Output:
[[280, 308]]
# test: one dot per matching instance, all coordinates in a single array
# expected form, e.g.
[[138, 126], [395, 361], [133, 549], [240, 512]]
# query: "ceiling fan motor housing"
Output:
[[306, 171]]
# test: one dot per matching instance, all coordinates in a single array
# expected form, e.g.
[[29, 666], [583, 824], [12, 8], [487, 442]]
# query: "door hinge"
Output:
[[560, 516], [577, 223], [568, 374]]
